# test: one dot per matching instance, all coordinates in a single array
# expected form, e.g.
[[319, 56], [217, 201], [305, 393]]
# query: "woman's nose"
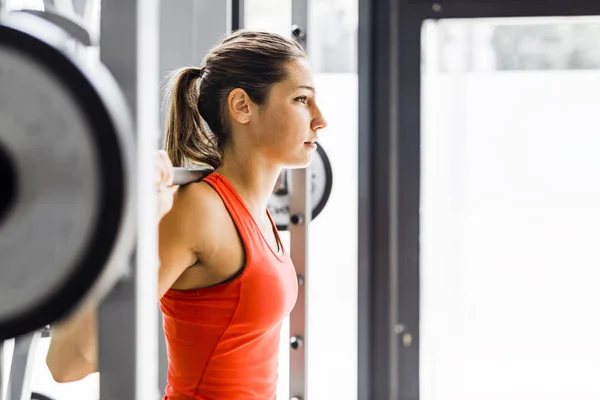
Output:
[[319, 122]]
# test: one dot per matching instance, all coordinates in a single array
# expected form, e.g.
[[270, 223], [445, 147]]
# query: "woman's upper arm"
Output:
[[183, 232]]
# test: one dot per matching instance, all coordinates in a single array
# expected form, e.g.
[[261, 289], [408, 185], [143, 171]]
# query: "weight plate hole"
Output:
[[8, 177]]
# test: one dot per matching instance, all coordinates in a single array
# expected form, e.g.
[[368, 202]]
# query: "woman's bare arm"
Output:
[[73, 347]]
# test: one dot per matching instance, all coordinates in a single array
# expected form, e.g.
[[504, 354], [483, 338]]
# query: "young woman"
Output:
[[225, 281]]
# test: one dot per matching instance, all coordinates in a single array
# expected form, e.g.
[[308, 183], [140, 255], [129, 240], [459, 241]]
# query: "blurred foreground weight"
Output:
[[67, 160]]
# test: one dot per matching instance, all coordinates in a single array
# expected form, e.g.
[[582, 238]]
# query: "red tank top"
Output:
[[223, 341]]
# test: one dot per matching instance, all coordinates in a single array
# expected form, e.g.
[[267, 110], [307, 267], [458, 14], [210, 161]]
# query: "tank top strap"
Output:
[[238, 211]]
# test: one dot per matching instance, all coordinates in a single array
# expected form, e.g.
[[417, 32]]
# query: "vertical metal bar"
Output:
[[300, 13], [127, 317], [65, 7], [405, 334], [80, 7], [395, 121], [163, 360], [366, 136], [376, 269], [300, 216], [19, 387], [49, 4], [389, 184], [2, 366], [117, 350], [237, 14]]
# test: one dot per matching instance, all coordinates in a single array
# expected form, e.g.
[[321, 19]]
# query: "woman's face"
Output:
[[285, 128]]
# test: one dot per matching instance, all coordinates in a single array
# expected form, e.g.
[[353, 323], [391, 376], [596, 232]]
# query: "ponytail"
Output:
[[187, 140]]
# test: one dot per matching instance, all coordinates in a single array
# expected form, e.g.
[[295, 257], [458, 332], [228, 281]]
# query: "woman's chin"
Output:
[[300, 162]]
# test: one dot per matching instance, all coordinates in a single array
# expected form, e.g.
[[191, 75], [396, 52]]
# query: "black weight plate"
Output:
[[65, 126]]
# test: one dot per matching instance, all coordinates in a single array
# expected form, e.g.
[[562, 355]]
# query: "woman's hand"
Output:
[[164, 183]]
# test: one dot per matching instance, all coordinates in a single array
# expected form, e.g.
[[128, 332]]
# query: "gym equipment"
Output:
[[19, 383], [21, 370], [300, 211], [68, 230], [321, 182], [66, 165], [74, 29], [184, 176]]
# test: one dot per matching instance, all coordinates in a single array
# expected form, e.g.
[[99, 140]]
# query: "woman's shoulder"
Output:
[[198, 200], [199, 221], [196, 215]]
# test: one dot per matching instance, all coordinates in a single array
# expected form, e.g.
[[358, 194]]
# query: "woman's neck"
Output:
[[252, 179]]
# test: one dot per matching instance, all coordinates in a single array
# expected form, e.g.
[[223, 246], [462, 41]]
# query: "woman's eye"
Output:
[[302, 99]]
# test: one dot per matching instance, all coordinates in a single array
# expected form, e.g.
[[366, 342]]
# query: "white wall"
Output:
[[332, 293]]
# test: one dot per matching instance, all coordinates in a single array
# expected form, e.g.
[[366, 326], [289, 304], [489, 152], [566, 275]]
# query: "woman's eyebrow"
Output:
[[312, 89]]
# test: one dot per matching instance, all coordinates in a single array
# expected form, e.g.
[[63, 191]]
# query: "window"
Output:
[[510, 212]]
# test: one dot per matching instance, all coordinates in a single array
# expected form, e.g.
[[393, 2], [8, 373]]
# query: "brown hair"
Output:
[[252, 61]]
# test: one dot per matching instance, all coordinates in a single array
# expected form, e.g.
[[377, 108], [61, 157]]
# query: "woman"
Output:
[[225, 281]]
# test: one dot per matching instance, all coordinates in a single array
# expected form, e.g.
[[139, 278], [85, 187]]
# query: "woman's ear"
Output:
[[240, 106]]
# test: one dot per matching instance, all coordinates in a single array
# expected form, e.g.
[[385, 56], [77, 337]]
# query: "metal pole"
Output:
[[300, 12], [128, 316], [19, 382], [80, 7], [237, 15], [49, 4], [2, 369], [300, 217]]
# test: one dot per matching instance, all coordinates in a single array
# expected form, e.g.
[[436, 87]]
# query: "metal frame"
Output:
[[21, 371], [20, 367], [129, 48], [237, 14], [389, 178], [3, 368], [300, 217]]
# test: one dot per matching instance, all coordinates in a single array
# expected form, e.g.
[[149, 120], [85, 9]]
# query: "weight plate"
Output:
[[321, 177], [75, 29], [66, 141]]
